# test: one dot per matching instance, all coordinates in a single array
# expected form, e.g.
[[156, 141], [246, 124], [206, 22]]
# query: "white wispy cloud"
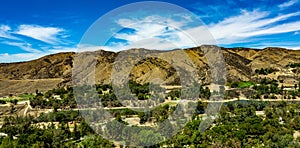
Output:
[[53, 39], [24, 46], [45, 34], [251, 24], [20, 57], [157, 32], [5, 32], [5, 28], [151, 31], [150, 27], [287, 4], [33, 54]]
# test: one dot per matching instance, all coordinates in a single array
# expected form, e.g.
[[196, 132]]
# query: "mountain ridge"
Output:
[[241, 64]]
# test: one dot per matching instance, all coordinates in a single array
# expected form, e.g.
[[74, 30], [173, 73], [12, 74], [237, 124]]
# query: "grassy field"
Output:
[[245, 84], [23, 97], [242, 84]]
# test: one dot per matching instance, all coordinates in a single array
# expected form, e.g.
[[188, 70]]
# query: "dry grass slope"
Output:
[[56, 70]]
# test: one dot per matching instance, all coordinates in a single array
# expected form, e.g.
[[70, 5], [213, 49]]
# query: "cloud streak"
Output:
[[287, 4], [242, 28], [32, 41], [45, 34], [5, 32], [251, 24], [162, 33], [19, 57], [33, 54], [245, 27], [25, 46]]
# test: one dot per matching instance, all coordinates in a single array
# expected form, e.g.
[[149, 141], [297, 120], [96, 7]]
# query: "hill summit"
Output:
[[242, 64]]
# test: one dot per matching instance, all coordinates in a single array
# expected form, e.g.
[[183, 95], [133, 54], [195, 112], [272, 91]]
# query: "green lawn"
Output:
[[7, 99], [24, 97], [242, 84], [245, 84]]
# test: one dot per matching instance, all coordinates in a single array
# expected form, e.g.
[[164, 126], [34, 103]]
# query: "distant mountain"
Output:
[[241, 63]]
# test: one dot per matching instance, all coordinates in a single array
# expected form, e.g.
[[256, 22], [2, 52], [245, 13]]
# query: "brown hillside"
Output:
[[56, 70]]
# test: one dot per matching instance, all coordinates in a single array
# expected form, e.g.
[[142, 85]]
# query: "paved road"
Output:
[[177, 101]]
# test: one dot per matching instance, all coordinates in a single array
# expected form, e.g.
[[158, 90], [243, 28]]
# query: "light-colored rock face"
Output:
[[240, 64]]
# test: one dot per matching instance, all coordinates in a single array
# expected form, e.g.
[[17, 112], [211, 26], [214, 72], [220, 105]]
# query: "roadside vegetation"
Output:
[[251, 123]]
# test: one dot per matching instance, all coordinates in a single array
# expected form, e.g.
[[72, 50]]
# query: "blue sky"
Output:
[[34, 28]]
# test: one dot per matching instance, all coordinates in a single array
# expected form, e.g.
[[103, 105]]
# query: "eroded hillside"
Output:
[[241, 63]]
